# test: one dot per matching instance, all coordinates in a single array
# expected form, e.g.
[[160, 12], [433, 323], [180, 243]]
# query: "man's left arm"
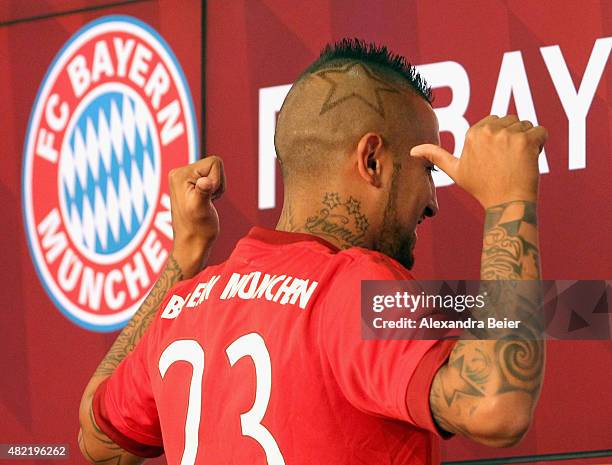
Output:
[[195, 225]]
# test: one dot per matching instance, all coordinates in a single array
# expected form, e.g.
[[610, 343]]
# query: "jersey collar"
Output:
[[273, 236]]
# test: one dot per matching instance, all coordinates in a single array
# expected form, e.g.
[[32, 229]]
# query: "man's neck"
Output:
[[334, 217]]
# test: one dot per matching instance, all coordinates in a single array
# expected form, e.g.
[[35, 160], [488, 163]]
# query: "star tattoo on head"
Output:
[[354, 81]]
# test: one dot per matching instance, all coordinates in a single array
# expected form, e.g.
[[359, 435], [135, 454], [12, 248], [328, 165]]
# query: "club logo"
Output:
[[113, 115]]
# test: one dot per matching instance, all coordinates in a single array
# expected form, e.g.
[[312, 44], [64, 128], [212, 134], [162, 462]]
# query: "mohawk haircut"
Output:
[[337, 54]]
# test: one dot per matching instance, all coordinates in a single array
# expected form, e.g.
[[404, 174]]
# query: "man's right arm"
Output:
[[489, 387]]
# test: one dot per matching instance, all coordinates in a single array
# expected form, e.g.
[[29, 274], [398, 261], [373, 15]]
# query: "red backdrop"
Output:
[[46, 359], [252, 44]]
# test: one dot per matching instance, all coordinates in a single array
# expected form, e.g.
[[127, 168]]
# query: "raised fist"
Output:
[[194, 218]]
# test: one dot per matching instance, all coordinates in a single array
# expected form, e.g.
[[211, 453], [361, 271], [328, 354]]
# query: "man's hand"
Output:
[[194, 218], [499, 162]]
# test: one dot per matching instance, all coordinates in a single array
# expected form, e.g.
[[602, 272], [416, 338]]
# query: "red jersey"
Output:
[[260, 360]]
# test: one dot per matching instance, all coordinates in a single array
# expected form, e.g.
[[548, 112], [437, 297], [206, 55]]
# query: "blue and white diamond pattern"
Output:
[[108, 174]]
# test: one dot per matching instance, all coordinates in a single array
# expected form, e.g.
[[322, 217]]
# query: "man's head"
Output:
[[343, 139]]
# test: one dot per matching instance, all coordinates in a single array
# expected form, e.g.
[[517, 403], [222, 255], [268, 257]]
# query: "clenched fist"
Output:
[[499, 162], [194, 218]]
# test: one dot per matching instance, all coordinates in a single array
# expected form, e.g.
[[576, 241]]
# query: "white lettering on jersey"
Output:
[[289, 290], [282, 289], [176, 303]]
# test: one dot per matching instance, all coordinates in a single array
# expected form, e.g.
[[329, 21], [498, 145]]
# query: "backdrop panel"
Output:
[[46, 358]]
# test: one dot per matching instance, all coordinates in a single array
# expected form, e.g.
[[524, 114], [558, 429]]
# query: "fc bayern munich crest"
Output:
[[113, 115]]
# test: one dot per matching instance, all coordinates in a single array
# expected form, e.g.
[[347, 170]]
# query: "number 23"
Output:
[[251, 345]]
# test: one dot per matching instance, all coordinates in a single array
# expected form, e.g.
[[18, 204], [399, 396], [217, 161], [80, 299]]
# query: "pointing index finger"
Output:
[[438, 156]]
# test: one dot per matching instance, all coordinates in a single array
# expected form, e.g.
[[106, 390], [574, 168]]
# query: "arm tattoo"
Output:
[[507, 253], [339, 219], [131, 334], [510, 252], [114, 453], [123, 345], [498, 361]]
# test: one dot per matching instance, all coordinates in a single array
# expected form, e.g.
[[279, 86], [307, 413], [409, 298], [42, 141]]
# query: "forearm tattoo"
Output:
[[507, 252], [123, 345], [498, 361], [113, 453], [131, 334]]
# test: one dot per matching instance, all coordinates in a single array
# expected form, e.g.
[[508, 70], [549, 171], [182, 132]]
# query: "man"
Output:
[[261, 360]]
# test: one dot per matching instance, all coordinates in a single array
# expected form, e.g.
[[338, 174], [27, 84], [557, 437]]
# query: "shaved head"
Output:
[[352, 89], [343, 139]]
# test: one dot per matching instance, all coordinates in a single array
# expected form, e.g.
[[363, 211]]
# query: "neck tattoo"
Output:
[[339, 219]]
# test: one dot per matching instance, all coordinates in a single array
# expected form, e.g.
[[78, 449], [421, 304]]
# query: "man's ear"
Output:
[[369, 154]]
